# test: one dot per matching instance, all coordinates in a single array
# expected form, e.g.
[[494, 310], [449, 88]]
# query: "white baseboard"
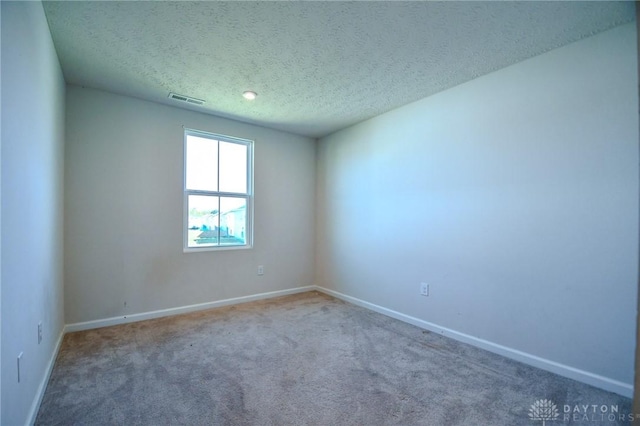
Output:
[[606, 383], [181, 310], [35, 406]]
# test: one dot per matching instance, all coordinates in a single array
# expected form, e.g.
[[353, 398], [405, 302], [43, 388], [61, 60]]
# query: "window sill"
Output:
[[214, 248]]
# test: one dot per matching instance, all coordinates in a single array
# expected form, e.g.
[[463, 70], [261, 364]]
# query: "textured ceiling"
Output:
[[317, 66]]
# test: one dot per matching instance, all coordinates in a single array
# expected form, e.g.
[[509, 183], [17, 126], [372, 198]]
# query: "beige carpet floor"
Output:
[[306, 359]]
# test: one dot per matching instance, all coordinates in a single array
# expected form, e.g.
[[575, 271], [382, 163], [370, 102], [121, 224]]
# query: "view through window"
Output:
[[217, 191]]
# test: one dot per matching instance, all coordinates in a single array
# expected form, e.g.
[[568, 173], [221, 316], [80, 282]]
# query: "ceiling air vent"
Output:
[[187, 99]]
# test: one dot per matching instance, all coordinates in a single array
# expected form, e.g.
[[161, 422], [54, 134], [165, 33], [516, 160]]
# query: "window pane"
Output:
[[233, 221], [203, 221], [233, 167], [202, 163]]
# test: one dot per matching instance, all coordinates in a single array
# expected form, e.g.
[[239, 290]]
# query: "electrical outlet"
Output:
[[39, 332], [424, 289], [260, 269]]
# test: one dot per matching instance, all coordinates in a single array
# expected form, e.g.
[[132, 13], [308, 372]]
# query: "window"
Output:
[[218, 178]]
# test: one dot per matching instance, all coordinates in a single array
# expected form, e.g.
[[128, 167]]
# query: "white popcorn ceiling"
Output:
[[317, 66]]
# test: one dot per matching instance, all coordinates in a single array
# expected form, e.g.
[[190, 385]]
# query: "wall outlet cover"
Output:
[[424, 289]]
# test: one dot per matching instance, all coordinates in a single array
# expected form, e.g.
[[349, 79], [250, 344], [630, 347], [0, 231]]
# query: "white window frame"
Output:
[[248, 196]]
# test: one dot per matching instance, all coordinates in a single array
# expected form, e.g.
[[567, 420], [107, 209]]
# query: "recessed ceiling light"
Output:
[[249, 95]]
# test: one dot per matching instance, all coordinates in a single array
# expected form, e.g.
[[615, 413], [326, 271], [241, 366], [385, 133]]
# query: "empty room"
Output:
[[319, 213]]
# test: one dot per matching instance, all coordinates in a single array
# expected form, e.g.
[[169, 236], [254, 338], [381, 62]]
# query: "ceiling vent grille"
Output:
[[187, 99]]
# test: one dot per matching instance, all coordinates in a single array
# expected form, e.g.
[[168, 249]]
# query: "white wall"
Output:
[[32, 205], [515, 196], [0, 228], [123, 211]]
